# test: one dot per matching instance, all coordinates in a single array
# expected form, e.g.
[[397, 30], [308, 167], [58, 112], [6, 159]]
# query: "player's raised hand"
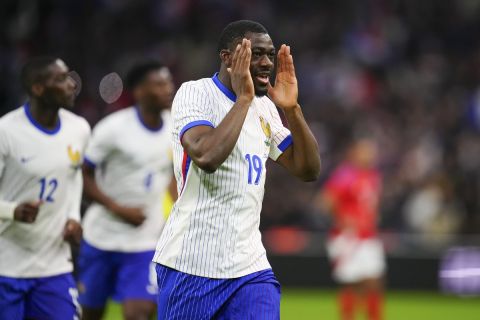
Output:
[[27, 212], [285, 91], [242, 83], [131, 215], [72, 232]]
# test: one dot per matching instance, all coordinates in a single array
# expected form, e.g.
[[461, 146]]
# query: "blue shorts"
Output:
[[183, 296], [46, 298], [119, 275]]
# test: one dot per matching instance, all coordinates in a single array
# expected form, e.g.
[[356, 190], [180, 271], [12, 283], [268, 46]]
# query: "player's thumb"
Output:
[[229, 70]]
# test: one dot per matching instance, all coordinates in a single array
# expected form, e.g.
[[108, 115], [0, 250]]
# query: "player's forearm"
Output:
[[305, 155], [211, 149], [93, 192], [74, 212]]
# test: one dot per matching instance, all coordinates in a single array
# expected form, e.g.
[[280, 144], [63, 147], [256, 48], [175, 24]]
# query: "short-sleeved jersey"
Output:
[[133, 166], [213, 230], [355, 193], [40, 164]]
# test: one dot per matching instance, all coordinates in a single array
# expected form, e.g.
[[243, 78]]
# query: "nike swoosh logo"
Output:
[[25, 159]]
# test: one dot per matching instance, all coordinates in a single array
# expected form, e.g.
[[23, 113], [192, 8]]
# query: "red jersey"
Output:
[[355, 193]]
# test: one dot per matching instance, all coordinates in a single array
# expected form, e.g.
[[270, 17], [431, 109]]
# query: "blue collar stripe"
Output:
[[224, 89], [37, 125], [139, 116]]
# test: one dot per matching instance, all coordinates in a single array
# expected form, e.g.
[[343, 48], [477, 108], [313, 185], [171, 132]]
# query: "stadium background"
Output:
[[408, 72]]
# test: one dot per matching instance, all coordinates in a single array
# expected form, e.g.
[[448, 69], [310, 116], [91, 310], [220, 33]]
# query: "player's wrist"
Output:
[[244, 100], [112, 206], [7, 210]]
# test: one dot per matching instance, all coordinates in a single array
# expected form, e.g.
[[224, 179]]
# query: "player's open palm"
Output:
[[242, 83], [285, 91]]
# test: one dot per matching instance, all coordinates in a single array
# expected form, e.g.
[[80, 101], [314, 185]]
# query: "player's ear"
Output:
[[226, 57], [37, 89], [137, 93]]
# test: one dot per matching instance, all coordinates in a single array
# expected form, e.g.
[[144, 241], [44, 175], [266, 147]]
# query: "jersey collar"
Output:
[[37, 125], [224, 89], [151, 129]]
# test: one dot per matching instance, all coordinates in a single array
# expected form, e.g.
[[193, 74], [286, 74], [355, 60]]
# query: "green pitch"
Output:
[[305, 304]]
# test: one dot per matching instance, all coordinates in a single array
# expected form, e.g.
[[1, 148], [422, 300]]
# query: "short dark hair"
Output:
[[35, 70], [237, 29], [138, 72]]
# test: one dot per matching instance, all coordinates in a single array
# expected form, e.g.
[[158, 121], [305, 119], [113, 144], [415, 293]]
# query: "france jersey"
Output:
[[40, 164], [133, 167], [213, 230]]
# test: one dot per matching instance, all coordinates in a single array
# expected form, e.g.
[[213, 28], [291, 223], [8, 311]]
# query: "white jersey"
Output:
[[213, 230], [40, 164], [133, 167]]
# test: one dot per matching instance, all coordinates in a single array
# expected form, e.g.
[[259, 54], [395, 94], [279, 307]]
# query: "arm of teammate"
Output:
[[209, 147], [10, 210], [72, 232], [131, 215]]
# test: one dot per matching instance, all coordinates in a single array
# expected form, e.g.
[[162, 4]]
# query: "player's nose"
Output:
[[266, 62]]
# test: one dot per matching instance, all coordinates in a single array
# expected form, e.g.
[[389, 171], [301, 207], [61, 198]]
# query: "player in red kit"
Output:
[[352, 195]]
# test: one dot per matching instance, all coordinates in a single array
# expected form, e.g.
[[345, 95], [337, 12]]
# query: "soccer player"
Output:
[[128, 167], [352, 195], [210, 259], [41, 150]]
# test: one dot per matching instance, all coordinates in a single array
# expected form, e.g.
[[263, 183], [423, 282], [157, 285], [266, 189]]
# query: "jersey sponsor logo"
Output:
[[75, 157], [267, 130]]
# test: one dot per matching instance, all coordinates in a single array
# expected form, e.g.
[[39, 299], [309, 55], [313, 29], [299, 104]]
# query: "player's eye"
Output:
[[256, 54]]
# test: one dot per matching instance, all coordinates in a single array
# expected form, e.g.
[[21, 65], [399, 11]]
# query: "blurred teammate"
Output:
[[127, 169], [211, 261], [352, 195], [41, 150]]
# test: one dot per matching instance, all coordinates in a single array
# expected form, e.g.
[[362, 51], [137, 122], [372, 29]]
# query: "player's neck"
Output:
[[46, 116], [224, 77], [150, 116]]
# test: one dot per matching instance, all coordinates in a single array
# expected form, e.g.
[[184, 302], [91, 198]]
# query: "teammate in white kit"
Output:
[[128, 167], [210, 259], [41, 152]]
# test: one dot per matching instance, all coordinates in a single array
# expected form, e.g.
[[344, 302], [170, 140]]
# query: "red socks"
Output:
[[346, 299], [348, 302], [374, 305]]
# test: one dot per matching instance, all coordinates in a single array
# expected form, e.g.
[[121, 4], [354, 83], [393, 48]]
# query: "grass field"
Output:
[[300, 304]]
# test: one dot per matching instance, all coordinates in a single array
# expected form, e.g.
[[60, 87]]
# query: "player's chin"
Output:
[[260, 89], [69, 102]]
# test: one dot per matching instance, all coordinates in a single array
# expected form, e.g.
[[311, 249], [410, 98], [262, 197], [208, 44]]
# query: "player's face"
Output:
[[262, 62], [58, 87], [157, 89], [365, 153]]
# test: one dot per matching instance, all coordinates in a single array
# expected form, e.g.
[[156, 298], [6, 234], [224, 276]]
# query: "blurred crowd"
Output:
[[407, 73]]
